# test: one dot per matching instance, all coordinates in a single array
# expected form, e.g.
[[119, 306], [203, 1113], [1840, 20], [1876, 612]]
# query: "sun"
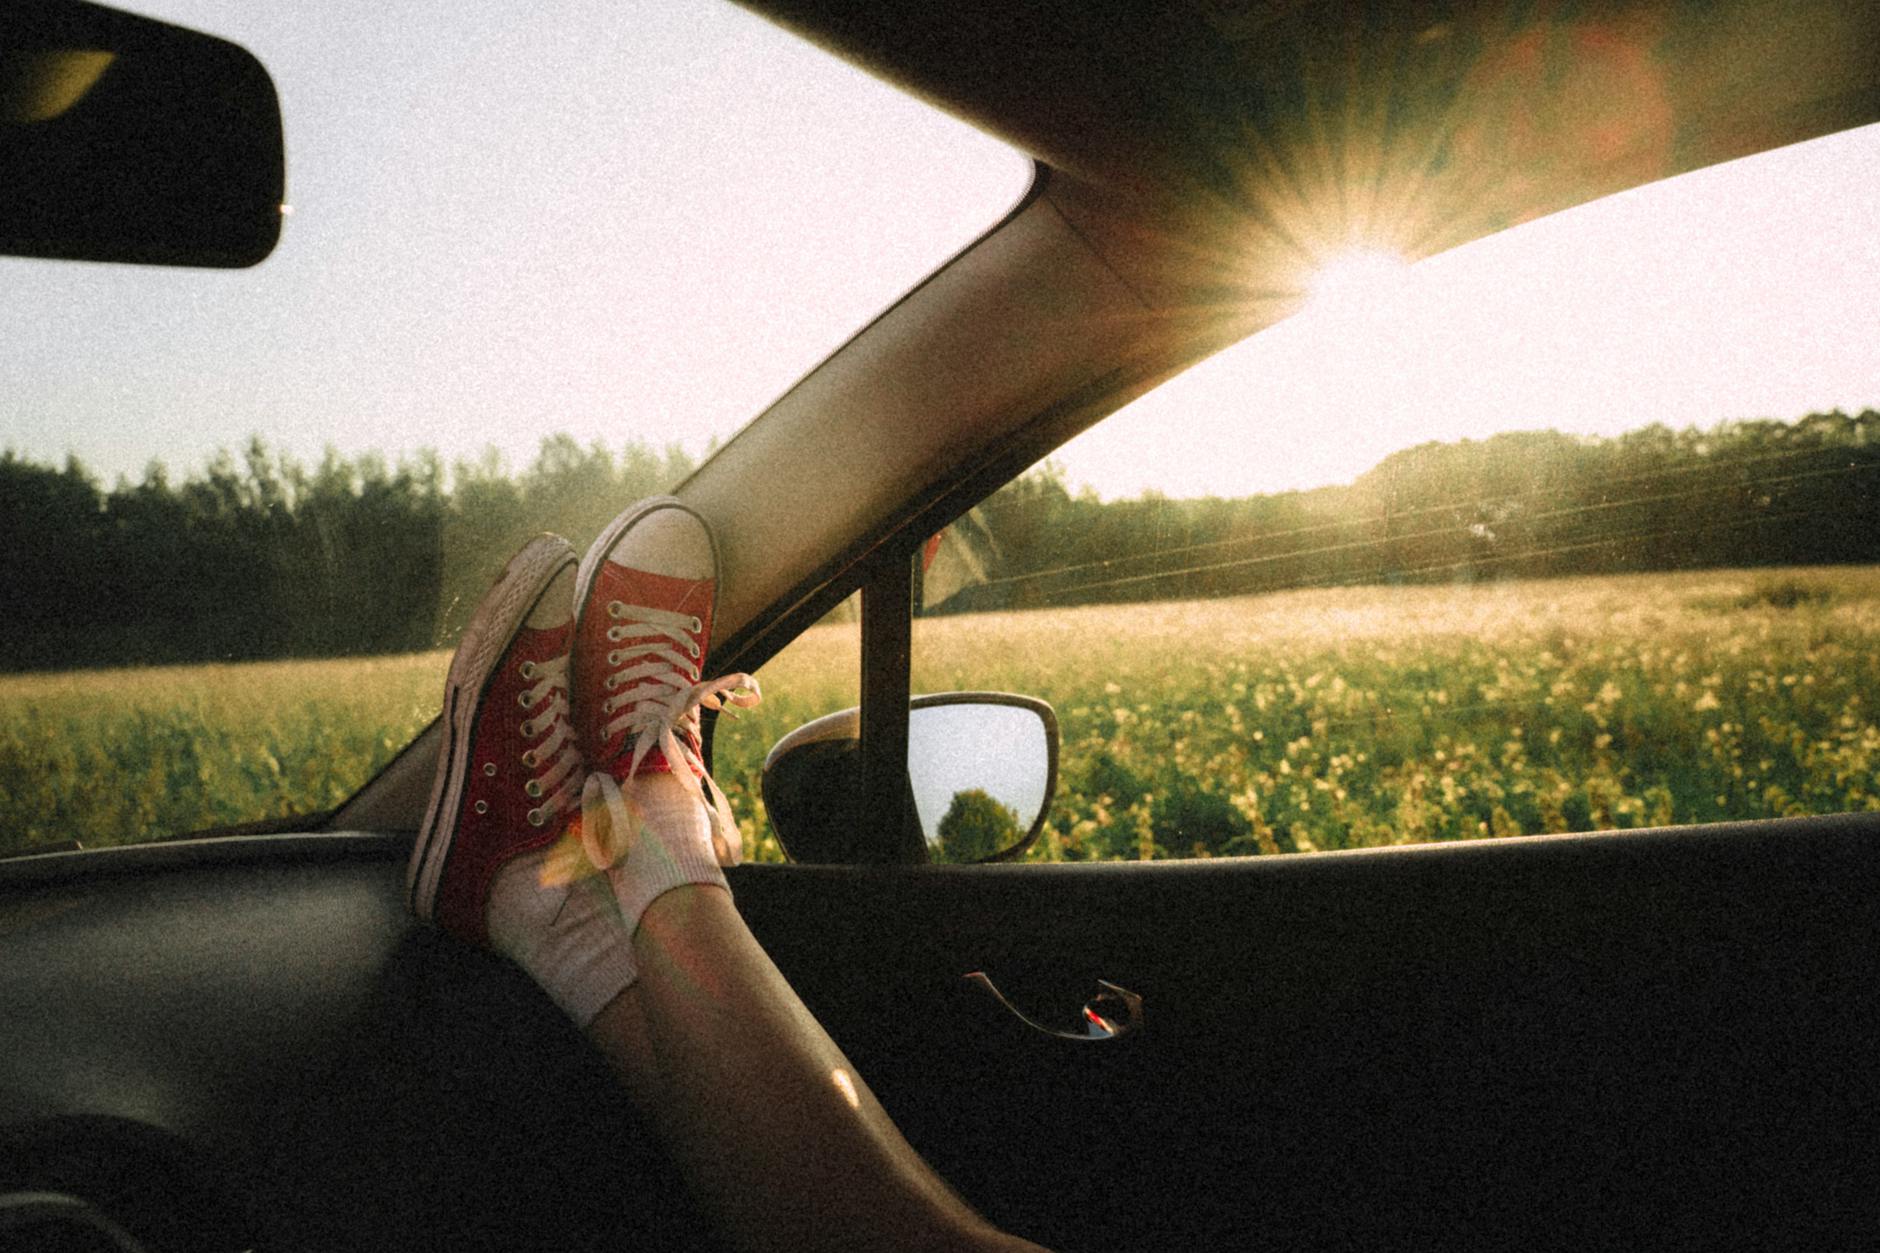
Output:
[[1356, 282]]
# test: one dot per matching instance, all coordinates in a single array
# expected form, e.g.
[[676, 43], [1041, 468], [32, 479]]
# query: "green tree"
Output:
[[975, 827]]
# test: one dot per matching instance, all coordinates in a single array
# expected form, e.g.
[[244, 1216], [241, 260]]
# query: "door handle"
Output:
[[1112, 1013]]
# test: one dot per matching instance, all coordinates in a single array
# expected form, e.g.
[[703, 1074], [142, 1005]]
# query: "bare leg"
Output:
[[587, 679], [770, 1123]]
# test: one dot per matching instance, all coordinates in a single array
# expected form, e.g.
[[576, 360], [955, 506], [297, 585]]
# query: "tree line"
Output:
[[1515, 505], [261, 556]]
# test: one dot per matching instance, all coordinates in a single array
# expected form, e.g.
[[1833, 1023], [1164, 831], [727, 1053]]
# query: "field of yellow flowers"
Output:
[[119, 756], [1352, 717], [1315, 719]]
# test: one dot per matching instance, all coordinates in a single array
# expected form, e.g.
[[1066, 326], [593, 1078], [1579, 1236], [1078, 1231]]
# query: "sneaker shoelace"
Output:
[[556, 761], [657, 693]]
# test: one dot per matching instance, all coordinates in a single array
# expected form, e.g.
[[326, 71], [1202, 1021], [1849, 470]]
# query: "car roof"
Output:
[[1165, 101]]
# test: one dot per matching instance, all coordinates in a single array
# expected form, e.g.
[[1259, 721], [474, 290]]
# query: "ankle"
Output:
[[671, 849]]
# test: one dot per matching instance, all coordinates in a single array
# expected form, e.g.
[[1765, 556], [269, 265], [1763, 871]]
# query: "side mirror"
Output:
[[982, 767], [127, 139]]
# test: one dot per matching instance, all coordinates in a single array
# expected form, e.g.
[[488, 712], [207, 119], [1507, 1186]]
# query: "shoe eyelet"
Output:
[[694, 647], [616, 610], [537, 817], [528, 760], [527, 728], [616, 634], [482, 807], [489, 769], [697, 626], [613, 658], [607, 684], [528, 669], [522, 699], [534, 790]]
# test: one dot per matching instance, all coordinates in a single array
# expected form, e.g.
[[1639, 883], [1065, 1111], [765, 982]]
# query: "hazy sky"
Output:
[[648, 219], [615, 219], [1746, 290]]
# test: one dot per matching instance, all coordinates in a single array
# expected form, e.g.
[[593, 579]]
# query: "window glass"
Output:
[[817, 673], [1572, 529], [540, 259]]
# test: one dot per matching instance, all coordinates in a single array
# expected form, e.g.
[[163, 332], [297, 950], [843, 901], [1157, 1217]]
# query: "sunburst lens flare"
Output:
[[1356, 282]]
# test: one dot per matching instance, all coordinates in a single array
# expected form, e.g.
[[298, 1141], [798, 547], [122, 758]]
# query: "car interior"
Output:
[[1660, 1038]]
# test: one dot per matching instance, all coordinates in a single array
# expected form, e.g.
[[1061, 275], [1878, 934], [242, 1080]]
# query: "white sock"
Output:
[[569, 939], [673, 847], [574, 939]]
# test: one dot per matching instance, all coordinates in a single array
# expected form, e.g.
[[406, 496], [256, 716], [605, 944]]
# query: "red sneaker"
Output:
[[509, 773], [644, 598]]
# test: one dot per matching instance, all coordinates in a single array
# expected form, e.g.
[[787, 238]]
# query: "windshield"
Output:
[[539, 265], [540, 260]]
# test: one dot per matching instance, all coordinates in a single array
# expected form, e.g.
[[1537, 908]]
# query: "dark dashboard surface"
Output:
[[262, 1031]]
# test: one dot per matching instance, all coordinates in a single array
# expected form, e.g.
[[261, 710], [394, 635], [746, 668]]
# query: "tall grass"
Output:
[[1321, 719], [119, 756], [1354, 717]]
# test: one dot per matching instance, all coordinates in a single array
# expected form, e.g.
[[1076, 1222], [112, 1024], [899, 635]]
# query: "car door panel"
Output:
[[1626, 1038]]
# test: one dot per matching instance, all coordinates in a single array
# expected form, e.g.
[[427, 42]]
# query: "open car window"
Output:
[[534, 268], [1571, 529]]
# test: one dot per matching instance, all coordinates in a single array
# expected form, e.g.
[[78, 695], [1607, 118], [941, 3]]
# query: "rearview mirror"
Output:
[[126, 139], [982, 767]]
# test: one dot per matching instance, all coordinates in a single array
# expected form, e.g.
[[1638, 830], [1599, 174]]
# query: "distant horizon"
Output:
[[513, 469]]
